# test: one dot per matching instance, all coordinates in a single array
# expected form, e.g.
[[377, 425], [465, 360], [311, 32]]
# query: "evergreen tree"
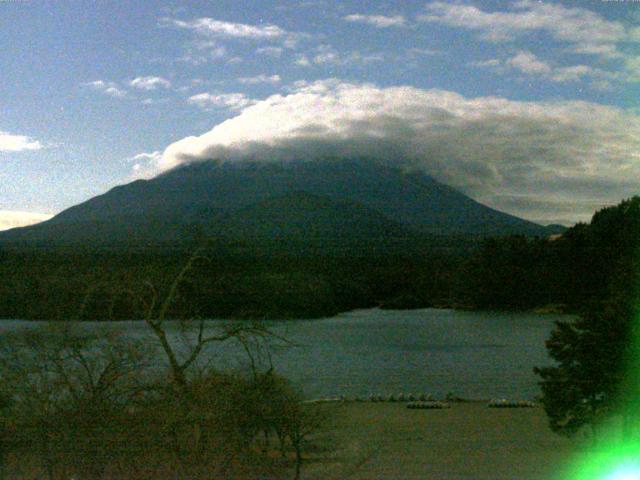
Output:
[[591, 354], [598, 354]]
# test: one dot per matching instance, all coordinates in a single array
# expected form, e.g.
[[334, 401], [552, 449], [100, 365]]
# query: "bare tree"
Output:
[[156, 315], [93, 404], [65, 386], [195, 335]]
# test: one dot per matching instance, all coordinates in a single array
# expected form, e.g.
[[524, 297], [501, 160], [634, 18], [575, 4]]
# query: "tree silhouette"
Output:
[[583, 387]]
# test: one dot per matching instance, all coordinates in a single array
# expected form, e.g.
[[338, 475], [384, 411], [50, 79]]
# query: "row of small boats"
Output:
[[423, 401], [504, 403], [427, 405]]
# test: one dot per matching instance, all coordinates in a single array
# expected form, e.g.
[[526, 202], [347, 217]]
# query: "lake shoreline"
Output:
[[552, 309]]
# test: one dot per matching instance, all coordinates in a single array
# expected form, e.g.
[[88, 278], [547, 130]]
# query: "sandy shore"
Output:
[[467, 441]]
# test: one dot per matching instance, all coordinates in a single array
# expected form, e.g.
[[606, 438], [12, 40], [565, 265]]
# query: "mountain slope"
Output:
[[256, 197], [304, 216]]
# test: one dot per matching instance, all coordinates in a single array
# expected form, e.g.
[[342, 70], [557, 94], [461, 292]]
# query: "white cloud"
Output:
[[232, 101], [208, 31], [217, 52], [213, 49], [149, 83], [584, 31], [302, 60], [632, 68], [527, 62], [108, 88], [17, 143], [573, 73], [145, 164], [12, 219], [490, 63], [328, 55], [202, 52], [155, 101], [206, 27], [492, 148], [210, 26], [275, 52], [262, 78], [602, 85], [115, 92], [603, 50], [588, 31], [423, 52], [217, 28], [379, 21]]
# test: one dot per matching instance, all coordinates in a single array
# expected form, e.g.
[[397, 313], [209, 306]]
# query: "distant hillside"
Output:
[[338, 199]]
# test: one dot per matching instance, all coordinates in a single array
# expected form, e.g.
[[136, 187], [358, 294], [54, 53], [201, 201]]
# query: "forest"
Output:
[[279, 280]]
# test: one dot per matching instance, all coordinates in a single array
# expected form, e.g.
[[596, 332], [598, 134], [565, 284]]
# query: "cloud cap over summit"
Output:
[[548, 161]]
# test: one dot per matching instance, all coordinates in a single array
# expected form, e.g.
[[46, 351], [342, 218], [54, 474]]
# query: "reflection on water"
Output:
[[471, 354]]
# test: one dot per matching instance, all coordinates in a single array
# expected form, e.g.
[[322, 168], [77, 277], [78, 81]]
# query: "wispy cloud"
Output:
[[606, 50], [573, 73], [275, 52], [328, 55], [209, 32], [206, 27], [527, 62], [231, 101], [379, 21], [262, 78], [202, 52], [149, 83], [17, 143], [423, 52], [217, 28], [489, 63], [632, 68], [145, 164], [577, 30], [108, 88], [585, 29], [302, 60]]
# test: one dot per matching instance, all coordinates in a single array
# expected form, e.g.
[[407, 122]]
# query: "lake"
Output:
[[476, 355]]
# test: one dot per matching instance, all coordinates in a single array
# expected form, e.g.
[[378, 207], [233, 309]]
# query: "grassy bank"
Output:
[[467, 441]]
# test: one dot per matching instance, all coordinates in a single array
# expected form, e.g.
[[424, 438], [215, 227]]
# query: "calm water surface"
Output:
[[471, 354]]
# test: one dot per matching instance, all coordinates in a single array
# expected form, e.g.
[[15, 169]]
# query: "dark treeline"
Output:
[[287, 280], [594, 376], [226, 281], [574, 271]]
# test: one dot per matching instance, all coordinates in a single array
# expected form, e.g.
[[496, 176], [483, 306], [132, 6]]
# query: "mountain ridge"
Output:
[[203, 194]]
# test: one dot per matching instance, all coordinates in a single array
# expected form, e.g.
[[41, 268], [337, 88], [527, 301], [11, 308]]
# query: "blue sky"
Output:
[[530, 107]]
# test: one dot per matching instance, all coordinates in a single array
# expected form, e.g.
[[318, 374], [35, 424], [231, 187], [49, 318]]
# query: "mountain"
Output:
[[304, 216], [332, 199]]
